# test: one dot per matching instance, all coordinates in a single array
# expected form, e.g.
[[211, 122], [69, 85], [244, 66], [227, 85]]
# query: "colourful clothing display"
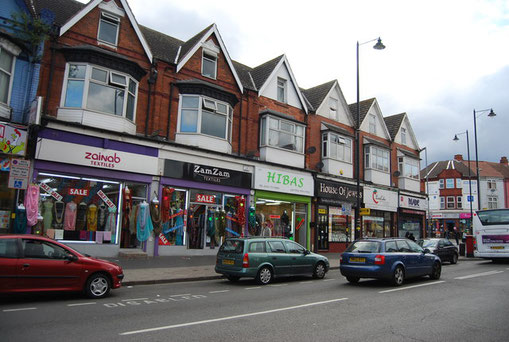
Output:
[[47, 214], [92, 218], [144, 222], [102, 216], [20, 220], [81, 217], [111, 221], [70, 216], [155, 214], [32, 204], [58, 214]]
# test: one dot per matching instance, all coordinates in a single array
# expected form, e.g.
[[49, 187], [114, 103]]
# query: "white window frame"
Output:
[[112, 19], [266, 129], [451, 204], [282, 91], [210, 57], [492, 184], [403, 135], [459, 202], [377, 158], [450, 183], [205, 104], [10, 73], [333, 108], [492, 202], [372, 124], [341, 144], [441, 183], [109, 83], [458, 183], [442, 202], [408, 167]]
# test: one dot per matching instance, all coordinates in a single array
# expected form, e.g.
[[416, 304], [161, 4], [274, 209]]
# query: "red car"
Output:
[[31, 263]]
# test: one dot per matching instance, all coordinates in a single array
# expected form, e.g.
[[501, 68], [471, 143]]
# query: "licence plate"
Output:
[[354, 259], [228, 262], [497, 247]]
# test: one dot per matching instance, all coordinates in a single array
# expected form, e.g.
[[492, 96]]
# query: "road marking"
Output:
[[277, 285], [412, 287], [79, 304], [128, 300], [305, 282], [221, 291], [180, 295], [21, 309], [253, 288], [231, 317], [329, 279], [478, 275]]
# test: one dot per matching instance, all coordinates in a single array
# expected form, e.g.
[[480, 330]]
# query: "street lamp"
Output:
[[470, 198], [428, 218], [377, 46], [491, 114]]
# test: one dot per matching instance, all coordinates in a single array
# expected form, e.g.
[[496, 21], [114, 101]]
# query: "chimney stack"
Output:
[[504, 161], [458, 157]]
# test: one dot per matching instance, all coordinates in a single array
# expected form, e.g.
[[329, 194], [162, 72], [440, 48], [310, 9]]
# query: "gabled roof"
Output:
[[63, 9], [365, 106], [244, 73], [317, 94], [163, 47], [192, 45], [260, 77], [70, 22], [434, 169], [393, 123]]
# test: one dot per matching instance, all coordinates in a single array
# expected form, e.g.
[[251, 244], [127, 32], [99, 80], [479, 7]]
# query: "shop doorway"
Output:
[[323, 230], [301, 216], [202, 228]]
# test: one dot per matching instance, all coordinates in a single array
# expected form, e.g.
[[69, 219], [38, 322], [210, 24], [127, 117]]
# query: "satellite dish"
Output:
[[311, 150], [319, 165], [396, 174]]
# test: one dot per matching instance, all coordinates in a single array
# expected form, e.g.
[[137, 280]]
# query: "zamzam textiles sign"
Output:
[[284, 181], [206, 174]]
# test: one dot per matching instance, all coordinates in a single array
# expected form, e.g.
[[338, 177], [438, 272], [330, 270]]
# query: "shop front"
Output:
[[282, 204], [334, 214], [201, 205], [378, 219], [412, 216], [13, 140], [90, 192]]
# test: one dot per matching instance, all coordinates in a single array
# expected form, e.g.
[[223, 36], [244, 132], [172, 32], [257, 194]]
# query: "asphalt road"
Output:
[[469, 303]]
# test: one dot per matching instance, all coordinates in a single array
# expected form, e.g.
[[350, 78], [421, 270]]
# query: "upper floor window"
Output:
[[281, 89], [377, 158], [492, 184], [449, 183], [6, 66], [408, 167], [441, 183], [403, 135], [277, 132], [442, 202], [458, 183], [204, 115], [108, 28], [372, 124], [336, 147], [333, 108], [100, 89], [459, 202], [209, 65], [450, 202]]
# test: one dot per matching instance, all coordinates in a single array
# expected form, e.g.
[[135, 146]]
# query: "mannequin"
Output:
[[81, 216], [70, 216], [211, 228], [155, 213], [111, 221], [102, 215], [285, 223], [92, 218], [143, 223], [58, 212], [47, 214], [32, 204]]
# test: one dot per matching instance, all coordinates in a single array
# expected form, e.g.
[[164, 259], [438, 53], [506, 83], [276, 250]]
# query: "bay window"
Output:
[[377, 158], [408, 167], [336, 147], [280, 133], [207, 116], [101, 90]]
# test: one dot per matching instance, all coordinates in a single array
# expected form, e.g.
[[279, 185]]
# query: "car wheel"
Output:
[[454, 258], [436, 271], [353, 280], [398, 276], [264, 275], [319, 271], [233, 279], [98, 286]]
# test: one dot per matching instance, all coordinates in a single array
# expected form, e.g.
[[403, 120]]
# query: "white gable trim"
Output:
[[410, 130], [380, 118], [342, 101], [199, 44], [274, 72], [91, 5]]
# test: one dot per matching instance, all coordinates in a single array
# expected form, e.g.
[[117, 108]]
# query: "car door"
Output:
[[449, 249], [302, 263], [422, 262], [441, 251], [44, 266], [408, 258], [281, 260], [8, 264]]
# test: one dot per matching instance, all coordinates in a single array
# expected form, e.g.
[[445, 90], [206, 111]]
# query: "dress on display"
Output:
[[47, 214], [179, 222], [102, 215], [59, 208], [155, 214], [92, 218], [144, 223], [32, 204], [70, 216], [111, 222], [81, 216]]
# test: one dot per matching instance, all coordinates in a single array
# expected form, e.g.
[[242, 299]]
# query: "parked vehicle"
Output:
[[31, 263], [265, 258], [393, 259], [443, 248], [491, 234]]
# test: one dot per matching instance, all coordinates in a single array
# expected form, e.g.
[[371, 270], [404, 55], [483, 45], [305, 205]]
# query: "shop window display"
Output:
[[273, 218], [339, 231], [173, 216], [133, 194]]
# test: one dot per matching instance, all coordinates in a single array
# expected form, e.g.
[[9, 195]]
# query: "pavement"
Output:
[[171, 269]]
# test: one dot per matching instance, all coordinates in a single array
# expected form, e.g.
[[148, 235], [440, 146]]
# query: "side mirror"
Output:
[[70, 257], [306, 252], [426, 251]]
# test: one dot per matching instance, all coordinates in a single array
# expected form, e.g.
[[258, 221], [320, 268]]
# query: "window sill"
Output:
[[206, 142], [111, 46], [337, 160], [96, 119]]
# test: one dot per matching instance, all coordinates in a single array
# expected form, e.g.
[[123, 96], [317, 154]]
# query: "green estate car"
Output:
[[266, 258]]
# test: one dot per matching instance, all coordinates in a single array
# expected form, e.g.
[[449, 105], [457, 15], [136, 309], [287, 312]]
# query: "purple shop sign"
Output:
[[464, 215], [495, 239]]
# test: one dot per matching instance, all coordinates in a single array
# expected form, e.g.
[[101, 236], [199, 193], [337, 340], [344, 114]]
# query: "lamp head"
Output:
[[492, 113], [379, 45], [455, 137]]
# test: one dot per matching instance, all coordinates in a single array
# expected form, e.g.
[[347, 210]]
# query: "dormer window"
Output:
[[333, 107], [403, 136], [108, 28], [209, 65], [281, 90], [372, 124]]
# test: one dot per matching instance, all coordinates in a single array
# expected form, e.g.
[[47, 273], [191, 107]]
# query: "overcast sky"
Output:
[[443, 59]]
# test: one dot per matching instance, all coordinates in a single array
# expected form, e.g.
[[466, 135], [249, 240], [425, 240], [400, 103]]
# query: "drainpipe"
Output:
[[240, 123], [169, 113], [50, 79], [151, 80]]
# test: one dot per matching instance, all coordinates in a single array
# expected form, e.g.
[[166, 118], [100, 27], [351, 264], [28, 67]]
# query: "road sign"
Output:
[[364, 211], [18, 174], [470, 198]]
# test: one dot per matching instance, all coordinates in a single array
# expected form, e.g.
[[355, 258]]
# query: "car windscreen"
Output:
[[492, 217], [364, 247], [232, 246], [428, 243]]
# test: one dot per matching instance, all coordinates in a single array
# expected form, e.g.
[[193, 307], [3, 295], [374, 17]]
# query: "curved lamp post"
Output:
[[491, 114], [377, 46], [470, 198]]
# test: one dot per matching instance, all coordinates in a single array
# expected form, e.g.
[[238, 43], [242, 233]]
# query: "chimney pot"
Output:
[[458, 157], [504, 161]]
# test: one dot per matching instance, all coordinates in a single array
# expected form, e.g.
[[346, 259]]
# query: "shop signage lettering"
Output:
[[103, 160], [50, 191], [380, 199], [201, 198], [280, 178], [337, 192], [413, 202], [106, 200], [78, 192], [284, 181], [211, 174]]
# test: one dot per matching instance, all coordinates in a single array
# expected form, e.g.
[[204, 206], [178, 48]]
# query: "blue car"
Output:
[[393, 259]]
